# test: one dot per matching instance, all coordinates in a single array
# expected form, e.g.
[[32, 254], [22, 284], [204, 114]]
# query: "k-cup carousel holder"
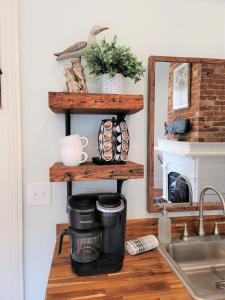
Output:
[[113, 142]]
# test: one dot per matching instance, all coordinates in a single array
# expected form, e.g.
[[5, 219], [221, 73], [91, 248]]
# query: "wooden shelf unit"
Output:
[[90, 103], [90, 171]]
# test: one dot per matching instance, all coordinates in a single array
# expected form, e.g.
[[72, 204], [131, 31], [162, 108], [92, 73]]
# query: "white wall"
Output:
[[175, 27]]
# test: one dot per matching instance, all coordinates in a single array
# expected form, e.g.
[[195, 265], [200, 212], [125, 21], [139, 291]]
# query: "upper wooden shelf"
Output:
[[90, 171], [88, 103]]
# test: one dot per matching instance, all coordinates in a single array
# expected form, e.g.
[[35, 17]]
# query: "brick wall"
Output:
[[207, 104]]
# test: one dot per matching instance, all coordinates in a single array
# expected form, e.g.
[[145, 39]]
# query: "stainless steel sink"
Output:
[[200, 264]]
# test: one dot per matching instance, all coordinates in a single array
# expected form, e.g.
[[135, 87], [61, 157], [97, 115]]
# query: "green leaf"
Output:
[[109, 57]]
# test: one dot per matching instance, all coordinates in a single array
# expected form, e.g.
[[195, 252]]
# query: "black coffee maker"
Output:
[[97, 224]]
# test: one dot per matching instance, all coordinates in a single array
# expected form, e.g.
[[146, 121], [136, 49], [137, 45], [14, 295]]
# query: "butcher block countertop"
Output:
[[143, 276]]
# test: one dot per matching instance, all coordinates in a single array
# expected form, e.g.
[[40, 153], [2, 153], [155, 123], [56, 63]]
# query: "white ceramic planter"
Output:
[[112, 85]]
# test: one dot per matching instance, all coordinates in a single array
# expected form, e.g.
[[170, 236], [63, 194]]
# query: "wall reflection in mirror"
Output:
[[189, 131]]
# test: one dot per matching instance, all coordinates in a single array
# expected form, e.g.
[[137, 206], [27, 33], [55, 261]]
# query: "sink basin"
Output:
[[200, 264]]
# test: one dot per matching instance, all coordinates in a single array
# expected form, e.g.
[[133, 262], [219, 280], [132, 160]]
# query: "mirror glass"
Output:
[[189, 132]]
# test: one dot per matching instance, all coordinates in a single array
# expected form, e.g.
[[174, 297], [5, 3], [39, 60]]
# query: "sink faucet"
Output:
[[189, 186], [201, 230]]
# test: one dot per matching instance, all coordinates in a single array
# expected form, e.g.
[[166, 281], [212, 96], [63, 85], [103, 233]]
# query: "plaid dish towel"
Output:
[[141, 244]]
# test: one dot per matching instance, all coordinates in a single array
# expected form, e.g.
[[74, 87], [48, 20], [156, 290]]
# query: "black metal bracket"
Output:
[[121, 116], [119, 185], [69, 193], [69, 188], [67, 122], [68, 132]]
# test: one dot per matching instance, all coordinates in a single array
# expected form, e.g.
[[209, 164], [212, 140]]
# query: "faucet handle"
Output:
[[185, 232], [216, 228]]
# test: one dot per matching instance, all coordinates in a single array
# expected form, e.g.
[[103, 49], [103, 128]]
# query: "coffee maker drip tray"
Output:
[[106, 263]]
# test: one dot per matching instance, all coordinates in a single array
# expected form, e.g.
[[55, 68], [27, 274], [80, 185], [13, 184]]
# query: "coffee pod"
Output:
[[108, 125], [107, 145], [125, 146], [123, 156], [107, 135], [123, 125], [108, 156], [125, 136]]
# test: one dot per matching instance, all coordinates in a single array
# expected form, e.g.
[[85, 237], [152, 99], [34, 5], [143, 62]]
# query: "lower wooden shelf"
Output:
[[90, 171]]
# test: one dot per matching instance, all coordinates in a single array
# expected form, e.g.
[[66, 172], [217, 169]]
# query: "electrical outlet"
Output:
[[39, 194]]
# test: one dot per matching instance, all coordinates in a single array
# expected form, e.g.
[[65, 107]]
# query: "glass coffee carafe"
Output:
[[85, 246]]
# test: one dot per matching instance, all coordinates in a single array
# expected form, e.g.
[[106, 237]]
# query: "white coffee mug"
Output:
[[71, 150], [72, 156], [74, 140]]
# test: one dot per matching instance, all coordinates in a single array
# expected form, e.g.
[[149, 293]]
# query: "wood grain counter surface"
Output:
[[144, 276]]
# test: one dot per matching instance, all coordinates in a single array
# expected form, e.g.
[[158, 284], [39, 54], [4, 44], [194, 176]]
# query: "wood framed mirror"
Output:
[[186, 132]]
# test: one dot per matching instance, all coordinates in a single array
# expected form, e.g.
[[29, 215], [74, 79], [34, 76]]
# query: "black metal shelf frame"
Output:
[[120, 116]]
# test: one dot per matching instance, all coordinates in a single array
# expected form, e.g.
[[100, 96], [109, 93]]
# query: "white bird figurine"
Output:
[[78, 49]]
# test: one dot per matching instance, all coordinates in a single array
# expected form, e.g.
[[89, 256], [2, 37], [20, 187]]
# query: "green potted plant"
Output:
[[112, 61]]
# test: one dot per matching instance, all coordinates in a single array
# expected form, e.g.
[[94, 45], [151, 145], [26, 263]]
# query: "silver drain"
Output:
[[220, 285]]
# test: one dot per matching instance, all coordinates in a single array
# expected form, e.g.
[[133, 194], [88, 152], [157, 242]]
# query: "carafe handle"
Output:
[[61, 236]]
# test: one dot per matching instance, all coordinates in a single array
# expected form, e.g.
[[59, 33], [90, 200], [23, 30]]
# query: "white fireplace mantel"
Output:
[[202, 163], [191, 148]]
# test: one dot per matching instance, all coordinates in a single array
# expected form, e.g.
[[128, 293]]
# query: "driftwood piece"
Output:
[[75, 77]]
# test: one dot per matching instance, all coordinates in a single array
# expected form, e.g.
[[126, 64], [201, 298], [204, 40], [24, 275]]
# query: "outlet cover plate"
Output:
[[39, 194]]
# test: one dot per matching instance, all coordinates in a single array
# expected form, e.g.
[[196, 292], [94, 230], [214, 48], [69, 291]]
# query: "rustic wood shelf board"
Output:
[[90, 103], [90, 171]]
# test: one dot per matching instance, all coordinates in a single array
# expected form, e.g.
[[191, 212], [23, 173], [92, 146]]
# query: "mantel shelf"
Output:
[[90, 171], [90, 103]]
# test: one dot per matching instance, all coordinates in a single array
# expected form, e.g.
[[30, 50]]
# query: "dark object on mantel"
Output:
[[178, 127]]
